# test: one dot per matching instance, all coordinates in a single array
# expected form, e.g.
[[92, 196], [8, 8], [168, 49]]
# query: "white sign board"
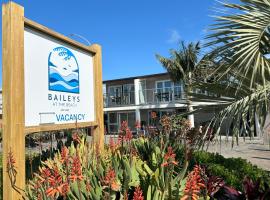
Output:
[[59, 82]]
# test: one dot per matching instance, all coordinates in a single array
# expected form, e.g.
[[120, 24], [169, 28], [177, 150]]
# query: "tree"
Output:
[[241, 47], [181, 66]]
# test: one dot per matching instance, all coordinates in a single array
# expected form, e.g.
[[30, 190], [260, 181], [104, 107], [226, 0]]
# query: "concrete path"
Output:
[[252, 150]]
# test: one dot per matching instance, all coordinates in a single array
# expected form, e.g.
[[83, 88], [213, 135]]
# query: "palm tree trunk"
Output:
[[189, 102]]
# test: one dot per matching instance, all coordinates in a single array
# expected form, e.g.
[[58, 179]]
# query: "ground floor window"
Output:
[[116, 118], [158, 115]]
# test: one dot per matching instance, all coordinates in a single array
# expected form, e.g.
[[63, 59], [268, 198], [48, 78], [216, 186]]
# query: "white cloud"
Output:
[[174, 36]]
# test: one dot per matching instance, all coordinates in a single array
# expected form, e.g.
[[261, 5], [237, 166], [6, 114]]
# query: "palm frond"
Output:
[[245, 33]]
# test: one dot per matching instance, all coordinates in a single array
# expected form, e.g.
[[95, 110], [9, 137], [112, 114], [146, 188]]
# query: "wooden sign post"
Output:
[[15, 105]]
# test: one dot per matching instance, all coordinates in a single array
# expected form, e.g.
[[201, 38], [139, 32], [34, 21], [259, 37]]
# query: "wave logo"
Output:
[[63, 71]]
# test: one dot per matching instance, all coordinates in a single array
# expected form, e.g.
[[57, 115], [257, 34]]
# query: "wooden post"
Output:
[[13, 97], [99, 130]]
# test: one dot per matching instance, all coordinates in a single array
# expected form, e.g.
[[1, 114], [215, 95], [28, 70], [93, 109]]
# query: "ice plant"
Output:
[[194, 184], [138, 194]]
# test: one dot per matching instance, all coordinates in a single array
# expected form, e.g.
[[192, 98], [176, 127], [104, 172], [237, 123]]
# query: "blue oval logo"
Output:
[[63, 71]]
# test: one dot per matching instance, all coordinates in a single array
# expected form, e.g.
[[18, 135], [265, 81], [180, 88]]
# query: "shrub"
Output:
[[233, 170]]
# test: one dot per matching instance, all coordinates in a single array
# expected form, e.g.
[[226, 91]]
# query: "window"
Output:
[[128, 94], [167, 91], [129, 117], [115, 119], [121, 94], [115, 95], [177, 91], [113, 123], [160, 114]]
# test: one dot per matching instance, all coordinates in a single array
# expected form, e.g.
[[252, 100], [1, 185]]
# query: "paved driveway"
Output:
[[253, 150]]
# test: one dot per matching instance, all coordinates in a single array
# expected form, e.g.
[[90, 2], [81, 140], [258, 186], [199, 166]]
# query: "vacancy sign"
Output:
[[59, 82]]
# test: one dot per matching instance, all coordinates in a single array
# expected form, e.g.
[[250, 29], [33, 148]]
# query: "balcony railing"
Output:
[[122, 99], [153, 96]]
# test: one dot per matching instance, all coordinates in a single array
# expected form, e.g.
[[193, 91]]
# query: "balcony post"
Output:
[[137, 91], [137, 99]]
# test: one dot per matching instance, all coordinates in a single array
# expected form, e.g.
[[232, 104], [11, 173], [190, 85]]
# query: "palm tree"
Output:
[[241, 47], [181, 66]]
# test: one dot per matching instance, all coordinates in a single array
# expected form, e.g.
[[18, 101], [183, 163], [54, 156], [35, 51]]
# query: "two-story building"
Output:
[[133, 100]]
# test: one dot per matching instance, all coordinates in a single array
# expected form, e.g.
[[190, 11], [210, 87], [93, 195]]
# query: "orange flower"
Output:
[[125, 133], [56, 184], [138, 194], [169, 158], [110, 180], [128, 135], [55, 191], [76, 170], [112, 144], [64, 154], [194, 184]]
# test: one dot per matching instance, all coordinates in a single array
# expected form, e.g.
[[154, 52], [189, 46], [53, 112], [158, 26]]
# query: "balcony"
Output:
[[155, 96], [120, 99]]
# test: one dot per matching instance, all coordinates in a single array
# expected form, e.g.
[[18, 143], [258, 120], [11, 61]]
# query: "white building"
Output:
[[133, 99]]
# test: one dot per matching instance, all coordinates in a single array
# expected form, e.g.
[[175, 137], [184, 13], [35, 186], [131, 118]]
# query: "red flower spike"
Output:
[[138, 194], [64, 154], [110, 180], [76, 170], [169, 158], [128, 135], [194, 184], [56, 185]]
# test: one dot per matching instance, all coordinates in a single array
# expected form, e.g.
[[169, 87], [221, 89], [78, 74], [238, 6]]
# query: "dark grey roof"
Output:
[[136, 77]]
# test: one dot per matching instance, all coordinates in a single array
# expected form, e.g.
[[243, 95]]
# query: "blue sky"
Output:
[[131, 32]]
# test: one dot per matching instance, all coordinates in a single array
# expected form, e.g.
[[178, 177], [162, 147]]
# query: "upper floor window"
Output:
[[166, 90], [121, 94]]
